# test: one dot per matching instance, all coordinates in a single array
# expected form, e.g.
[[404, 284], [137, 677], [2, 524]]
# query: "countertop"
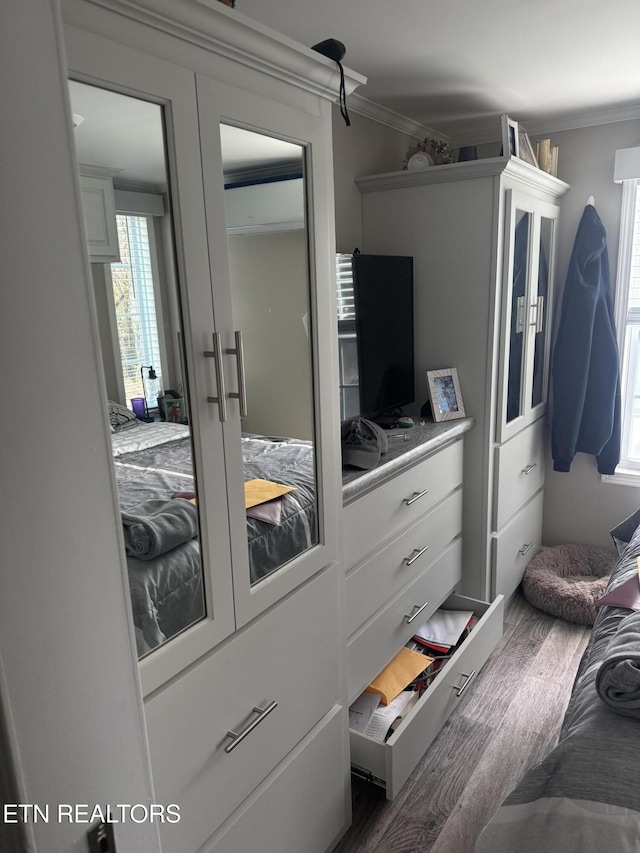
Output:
[[406, 447]]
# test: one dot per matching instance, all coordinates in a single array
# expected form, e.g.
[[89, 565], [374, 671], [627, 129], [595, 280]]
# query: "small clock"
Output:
[[418, 162]]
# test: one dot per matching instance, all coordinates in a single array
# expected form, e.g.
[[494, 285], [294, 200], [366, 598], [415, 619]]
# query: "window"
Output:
[[628, 323], [347, 342], [135, 309]]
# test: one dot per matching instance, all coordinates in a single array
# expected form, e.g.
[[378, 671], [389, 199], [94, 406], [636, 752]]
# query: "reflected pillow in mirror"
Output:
[[120, 417]]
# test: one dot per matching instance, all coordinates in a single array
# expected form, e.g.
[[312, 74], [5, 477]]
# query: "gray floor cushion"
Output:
[[567, 580]]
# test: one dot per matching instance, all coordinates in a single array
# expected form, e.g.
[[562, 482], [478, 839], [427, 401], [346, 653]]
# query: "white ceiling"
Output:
[[443, 69], [456, 66]]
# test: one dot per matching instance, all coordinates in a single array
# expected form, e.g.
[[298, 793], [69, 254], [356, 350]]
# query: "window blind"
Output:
[[135, 308]]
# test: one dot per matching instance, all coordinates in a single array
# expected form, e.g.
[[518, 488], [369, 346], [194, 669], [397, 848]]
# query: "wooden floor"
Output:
[[507, 721]]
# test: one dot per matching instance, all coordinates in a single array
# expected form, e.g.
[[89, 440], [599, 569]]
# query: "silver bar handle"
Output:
[[216, 355], [241, 395], [540, 314], [415, 497], [525, 548], [417, 552], [238, 737], [529, 468], [417, 612], [467, 682], [520, 310]]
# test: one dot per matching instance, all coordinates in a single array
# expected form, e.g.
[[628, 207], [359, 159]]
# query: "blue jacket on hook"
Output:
[[585, 367]]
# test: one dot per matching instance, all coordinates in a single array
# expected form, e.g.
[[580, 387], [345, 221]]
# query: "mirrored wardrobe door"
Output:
[[264, 300], [155, 318]]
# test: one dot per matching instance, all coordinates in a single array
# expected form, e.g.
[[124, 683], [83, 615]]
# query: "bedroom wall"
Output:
[[579, 506], [269, 304], [364, 148]]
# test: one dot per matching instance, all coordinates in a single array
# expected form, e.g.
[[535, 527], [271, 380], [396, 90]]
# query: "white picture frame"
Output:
[[510, 137], [444, 394]]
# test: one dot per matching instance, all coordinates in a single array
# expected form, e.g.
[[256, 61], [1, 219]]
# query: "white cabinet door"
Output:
[[99, 210]]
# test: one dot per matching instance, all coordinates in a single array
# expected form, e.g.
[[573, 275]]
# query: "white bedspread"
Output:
[[148, 435]]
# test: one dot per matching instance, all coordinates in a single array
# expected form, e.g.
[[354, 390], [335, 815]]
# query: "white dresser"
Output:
[[403, 556], [483, 238]]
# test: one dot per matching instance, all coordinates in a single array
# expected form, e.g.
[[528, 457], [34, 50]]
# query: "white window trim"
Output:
[[625, 475]]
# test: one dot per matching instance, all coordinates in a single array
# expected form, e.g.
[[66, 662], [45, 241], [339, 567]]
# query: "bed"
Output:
[[585, 795], [156, 490]]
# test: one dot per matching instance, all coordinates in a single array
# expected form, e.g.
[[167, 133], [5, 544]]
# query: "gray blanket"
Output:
[[154, 527], [584, 797], [618, 679]]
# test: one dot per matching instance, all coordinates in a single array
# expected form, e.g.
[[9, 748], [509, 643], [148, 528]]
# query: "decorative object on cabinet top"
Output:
[[445, 395], [428, 152], [406, 447]]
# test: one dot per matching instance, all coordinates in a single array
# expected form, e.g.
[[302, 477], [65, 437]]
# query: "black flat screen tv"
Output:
[[383, 301]]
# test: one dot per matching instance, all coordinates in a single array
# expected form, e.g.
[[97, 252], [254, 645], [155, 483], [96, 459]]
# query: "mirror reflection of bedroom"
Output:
[[121, 151]]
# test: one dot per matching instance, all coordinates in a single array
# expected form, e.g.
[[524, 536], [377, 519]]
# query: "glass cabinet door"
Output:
[[526, 317], [519, 288], [541, 313]]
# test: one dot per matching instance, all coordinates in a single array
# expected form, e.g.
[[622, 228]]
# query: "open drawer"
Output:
[[389, 764]]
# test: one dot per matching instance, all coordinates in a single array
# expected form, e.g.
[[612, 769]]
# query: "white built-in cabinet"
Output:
[[483, 236], [246, 709], [98, 207]]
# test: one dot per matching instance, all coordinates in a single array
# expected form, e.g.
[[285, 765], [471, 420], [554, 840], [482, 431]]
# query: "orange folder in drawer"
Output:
[[398, 673]]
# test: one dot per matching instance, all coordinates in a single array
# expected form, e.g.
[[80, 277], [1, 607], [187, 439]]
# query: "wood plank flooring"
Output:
[[507, 721]]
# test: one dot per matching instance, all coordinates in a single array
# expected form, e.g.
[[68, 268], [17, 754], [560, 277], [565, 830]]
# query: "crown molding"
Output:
[[224, 31], [369, 109], [490, 166]]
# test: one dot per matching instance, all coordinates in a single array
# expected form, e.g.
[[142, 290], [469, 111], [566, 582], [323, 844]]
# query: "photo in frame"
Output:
[[510, 137], [525, 148], [444, 394], [174, 410]]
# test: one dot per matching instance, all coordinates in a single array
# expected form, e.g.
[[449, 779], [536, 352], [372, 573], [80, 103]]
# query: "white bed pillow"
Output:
[[120, 417]]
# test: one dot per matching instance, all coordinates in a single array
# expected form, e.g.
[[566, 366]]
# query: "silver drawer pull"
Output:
[[416, 612], [415, 497], [525, 548], [240, 736], [467, 682], [416, 554], [529, 468]]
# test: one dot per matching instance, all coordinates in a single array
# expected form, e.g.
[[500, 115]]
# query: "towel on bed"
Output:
[[157, 526], [618, 679]]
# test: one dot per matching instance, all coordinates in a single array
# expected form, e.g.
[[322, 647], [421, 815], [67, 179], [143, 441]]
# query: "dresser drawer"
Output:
[[290, 656], [520, 465], [390, 764], [372, 647], [378, 515], [315, 772], [376, 581], [515, 545]]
